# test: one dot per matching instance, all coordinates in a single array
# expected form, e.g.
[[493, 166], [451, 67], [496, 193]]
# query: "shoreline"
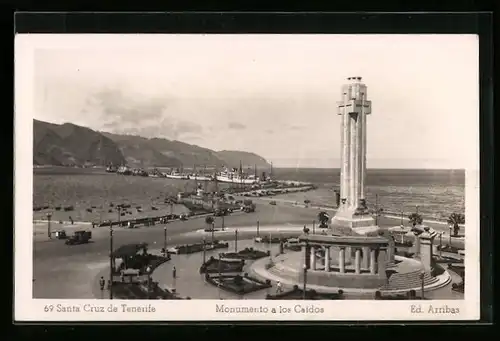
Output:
[[263, 201]]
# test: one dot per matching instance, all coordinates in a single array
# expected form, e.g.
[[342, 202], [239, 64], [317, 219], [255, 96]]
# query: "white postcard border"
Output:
[[29, 309]]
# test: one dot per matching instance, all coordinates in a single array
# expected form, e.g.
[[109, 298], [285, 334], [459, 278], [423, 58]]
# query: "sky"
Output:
[[274, 95]]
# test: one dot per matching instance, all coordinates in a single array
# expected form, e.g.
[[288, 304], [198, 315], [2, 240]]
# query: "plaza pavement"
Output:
[[62, 271]]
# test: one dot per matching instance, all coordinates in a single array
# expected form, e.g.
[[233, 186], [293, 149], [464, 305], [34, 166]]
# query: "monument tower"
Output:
[[353, 109]]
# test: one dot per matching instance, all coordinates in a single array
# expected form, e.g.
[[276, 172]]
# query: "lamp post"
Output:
[[402, 217], [376, 209], [213, 231], [165, 239], [111, 270], [49, 217], [258, 228], [174, 279], [305, 281], [416, 209], [148, 272], [223, 221], [236, 241], [204, 250], [119, 215], [220, 276], [441, 245], [314, 226], [450, 234], [422, 276]]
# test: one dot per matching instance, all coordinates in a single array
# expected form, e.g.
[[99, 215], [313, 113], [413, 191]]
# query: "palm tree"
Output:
[[209, 220], [455, 219], [323, 219], [415, 219]]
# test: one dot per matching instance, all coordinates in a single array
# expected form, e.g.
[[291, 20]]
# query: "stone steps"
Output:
[[409, 280], [398, 281]]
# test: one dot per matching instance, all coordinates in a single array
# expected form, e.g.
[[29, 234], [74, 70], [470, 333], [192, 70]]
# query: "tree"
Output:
[[209, 220], [323, 219], [307, 202], [456, 219], [415, 219]]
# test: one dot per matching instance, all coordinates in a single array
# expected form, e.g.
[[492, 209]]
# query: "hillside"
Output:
[[69, 144], [232, 158]]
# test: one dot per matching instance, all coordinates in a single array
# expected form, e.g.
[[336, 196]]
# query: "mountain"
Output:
[[69, 144], [232, 158]]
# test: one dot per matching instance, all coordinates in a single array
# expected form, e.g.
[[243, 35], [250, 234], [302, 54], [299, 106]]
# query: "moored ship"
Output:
[[236, 176], [199, 177], [177, 175]]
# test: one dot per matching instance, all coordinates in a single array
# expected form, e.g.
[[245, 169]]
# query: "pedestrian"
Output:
[[122, 277], [279, 288], [71, 219], [174, 272], [109, 284], [102, 282]]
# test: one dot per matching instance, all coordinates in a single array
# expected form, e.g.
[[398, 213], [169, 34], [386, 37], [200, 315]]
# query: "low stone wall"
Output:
[[346, 280]]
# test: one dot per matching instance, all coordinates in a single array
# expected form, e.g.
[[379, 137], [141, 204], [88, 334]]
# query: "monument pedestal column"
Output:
[[366, 258], [426, 249], [342, 260], [382, 258], [373, 262], [416, 246], [357, 261], [327, 259], [313, 258]]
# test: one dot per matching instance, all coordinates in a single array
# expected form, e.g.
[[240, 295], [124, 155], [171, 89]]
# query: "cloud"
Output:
[[236, 126], [119, 112]]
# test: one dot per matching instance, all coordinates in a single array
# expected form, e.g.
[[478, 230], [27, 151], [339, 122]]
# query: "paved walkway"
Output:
[[67, 275]]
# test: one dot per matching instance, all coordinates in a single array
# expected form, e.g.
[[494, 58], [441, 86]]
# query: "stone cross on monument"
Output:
[[353, 109]]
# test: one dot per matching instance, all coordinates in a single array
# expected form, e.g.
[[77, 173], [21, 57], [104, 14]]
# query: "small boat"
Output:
[[178, 176], [124, 170], [199, 177]]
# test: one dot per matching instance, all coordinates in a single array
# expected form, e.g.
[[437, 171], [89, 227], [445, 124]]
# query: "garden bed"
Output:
[[247, 253], [447, 259], [405, 254], [214, 265], [410, 295], [458, 287], [139, 291], [142, 262], [237, 284], [458, 269], [448, 248], [193, 248], [406, 243], [298, 294], [268, 240]]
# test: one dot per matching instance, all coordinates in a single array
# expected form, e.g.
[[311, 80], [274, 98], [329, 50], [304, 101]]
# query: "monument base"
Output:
[[347, 223]]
